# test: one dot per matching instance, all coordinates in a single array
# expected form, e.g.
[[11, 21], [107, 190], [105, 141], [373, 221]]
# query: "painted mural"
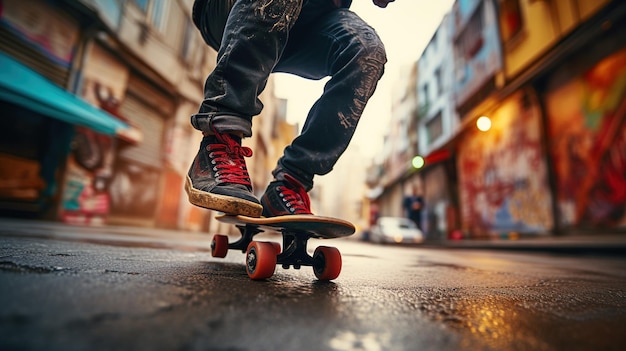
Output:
[[85, 198], [503, 184], [87, 191], [588, 144]]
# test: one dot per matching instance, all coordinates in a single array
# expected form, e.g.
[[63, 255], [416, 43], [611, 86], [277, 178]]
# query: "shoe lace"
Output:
[[227, 158], [295, 196]]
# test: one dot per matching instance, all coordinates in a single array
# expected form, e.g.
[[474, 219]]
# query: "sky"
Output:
[[405, 27]]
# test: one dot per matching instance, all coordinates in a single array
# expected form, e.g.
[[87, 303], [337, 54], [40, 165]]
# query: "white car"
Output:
[[396, 230]]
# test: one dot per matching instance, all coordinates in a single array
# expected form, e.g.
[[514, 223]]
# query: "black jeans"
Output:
[[310, 38]]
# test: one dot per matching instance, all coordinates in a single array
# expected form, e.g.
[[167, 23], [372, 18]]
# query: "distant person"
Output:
[[413, 205], [310, 38]]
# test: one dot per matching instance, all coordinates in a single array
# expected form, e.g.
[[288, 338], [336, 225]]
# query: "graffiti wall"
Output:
[[90, 167], [587, 136], [85, 199], [503, 183]]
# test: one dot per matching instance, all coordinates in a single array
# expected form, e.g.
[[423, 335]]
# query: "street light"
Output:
[[417, 162], [483, 123]]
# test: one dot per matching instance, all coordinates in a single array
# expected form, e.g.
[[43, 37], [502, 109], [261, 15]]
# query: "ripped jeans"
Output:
[[309, 38]]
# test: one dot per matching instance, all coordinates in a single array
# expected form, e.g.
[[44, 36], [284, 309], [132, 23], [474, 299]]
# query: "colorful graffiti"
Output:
[[85, 199], [82, 204], [503, 184], [588, 144]]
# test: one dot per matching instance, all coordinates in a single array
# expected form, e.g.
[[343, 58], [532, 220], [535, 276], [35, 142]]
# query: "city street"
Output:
[[74, 288], [492, 131]]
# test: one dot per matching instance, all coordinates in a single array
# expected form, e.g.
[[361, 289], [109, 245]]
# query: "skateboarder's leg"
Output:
[[249, 46], [338, 44]]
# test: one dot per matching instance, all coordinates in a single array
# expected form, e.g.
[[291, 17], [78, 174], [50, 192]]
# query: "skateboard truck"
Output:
[[247, 233], [262, 257], [293, 255], [294, 252]]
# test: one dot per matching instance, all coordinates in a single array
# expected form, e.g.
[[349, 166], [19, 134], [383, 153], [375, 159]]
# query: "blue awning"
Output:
[[22, 86]]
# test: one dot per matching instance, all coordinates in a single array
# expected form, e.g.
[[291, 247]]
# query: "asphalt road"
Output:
[[98, 290]]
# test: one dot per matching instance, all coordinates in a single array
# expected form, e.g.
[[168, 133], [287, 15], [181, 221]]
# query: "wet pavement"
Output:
[[75, 289]]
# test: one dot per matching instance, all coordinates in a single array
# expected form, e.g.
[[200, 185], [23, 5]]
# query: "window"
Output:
[[439, 81], [188, 38], [155, 11], [459, 65], [142, 4], [434, 128], [510, 19], [470, 41]]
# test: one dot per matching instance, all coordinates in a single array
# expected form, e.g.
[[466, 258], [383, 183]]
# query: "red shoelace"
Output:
[[228, 160], [295, 196]]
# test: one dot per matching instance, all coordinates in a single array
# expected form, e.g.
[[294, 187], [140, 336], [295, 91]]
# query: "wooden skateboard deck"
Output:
[[262, 257], [315, 226]]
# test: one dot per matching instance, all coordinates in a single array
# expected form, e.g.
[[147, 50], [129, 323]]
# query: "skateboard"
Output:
[[262, 257]]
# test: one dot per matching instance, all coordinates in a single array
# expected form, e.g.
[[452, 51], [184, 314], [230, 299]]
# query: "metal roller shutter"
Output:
[[32, 58], [150, 151]]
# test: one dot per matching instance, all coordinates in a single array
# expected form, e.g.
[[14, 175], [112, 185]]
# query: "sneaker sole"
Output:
[[222, 203]]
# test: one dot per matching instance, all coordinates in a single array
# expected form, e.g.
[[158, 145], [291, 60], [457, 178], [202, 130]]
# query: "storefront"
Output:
[[89, 171], [37, 46], [138, 183], [553, 160], [38, 126], [503, 178], [439, 217]]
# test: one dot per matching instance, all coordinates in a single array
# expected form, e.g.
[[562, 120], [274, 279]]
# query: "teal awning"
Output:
[[22, 86]]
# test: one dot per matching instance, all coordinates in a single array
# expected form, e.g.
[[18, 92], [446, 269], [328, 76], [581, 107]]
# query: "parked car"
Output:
[[396, 230]]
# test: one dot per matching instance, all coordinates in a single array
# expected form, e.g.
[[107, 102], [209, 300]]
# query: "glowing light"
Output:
[[483, 123], [417, 162]]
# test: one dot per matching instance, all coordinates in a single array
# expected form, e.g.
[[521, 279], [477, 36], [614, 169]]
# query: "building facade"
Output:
[[395, 176], [551, 160], [116, 148], [438, 124], [549, 77]]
